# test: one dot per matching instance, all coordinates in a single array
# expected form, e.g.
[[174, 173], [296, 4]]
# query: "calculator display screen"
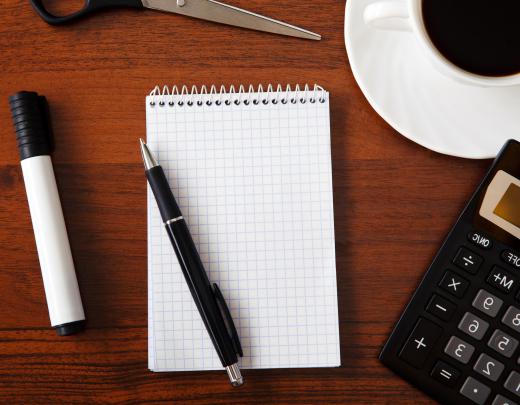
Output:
[[509, 206], [501, 203]]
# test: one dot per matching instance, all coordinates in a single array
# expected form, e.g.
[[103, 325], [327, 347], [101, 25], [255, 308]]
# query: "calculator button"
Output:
[[500, 400], [420, 342], [511, 258], [512, 318], [502, 280], [513, 383], [467, 260], [445, 373], [459, 350], [454, 284], [473, 326], [480, 240], [503, 343], [441, 308], [475, 390], [487, 303], [488, 367]]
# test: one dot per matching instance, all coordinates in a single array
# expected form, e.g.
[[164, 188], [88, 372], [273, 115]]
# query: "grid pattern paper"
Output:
[[254, 183]]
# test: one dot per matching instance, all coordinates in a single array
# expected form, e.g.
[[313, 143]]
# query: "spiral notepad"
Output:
[[251, 171]]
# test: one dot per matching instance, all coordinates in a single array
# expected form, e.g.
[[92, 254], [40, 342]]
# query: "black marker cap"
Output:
[[30, 113], [70, 328]]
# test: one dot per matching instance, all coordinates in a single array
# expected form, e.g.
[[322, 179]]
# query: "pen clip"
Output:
[[228, 320]]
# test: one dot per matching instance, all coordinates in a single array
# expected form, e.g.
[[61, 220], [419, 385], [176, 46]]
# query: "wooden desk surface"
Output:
[[394, 202]]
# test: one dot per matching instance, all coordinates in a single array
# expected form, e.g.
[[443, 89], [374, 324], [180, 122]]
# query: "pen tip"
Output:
[[148, 158]]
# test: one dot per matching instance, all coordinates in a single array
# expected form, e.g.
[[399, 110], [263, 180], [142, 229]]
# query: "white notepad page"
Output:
[[254, 183]]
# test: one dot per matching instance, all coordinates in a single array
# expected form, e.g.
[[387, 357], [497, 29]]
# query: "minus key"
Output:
[[441, 308]]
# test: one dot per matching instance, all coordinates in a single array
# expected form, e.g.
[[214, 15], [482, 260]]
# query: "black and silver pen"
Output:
[[209, 300]]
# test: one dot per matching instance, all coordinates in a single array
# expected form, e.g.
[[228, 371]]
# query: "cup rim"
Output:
[[415, 12]]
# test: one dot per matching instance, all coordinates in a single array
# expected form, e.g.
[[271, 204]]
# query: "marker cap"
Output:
[[70, 328], [32, 125]]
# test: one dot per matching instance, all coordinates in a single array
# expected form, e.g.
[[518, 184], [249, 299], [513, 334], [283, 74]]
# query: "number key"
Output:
[[488, 367], [500, 400], [487, 303], [459, 350], [473, 326], [512, 318], [513, 383], [503, 343]]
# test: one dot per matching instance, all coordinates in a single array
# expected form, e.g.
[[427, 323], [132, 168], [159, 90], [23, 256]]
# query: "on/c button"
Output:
[[480, 240], [420, 342]]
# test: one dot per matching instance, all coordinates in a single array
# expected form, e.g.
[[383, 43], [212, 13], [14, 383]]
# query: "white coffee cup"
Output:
[[406, 15]]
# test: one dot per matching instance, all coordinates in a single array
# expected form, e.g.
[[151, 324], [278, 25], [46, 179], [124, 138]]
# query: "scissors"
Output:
[[210, 10]]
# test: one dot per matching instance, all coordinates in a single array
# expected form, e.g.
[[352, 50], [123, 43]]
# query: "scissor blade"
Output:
[[216, 11]]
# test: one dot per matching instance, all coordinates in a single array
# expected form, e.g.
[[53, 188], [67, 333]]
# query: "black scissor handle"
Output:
[[89, 7]]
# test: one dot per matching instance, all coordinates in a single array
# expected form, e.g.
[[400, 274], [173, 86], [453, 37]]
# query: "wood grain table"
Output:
[[394, 202]]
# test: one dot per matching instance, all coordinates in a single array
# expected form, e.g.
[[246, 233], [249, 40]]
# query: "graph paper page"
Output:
[[254, 183]]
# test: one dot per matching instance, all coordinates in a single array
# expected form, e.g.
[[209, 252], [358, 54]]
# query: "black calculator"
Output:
[[459, 337]]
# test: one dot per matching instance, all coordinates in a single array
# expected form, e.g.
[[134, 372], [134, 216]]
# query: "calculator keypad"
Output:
[[473, 347]]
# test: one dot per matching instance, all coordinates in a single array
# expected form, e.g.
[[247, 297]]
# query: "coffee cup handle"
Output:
[[388, 15]]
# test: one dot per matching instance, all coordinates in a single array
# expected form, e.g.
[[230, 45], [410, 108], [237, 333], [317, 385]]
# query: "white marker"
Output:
[[29, 111]]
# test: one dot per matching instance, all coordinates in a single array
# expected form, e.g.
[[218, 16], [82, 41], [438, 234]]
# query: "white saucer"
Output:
[[422, 104]]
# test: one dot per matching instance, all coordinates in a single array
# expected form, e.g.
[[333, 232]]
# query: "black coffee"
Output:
[[480, 36]]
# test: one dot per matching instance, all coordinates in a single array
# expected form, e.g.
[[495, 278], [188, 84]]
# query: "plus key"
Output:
[[420, 342]]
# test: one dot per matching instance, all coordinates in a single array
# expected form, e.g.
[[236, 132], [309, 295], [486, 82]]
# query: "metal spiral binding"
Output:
[[183, 96]]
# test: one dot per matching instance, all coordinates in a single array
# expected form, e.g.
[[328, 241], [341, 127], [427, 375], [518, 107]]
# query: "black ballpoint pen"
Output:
[[209, 300]]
